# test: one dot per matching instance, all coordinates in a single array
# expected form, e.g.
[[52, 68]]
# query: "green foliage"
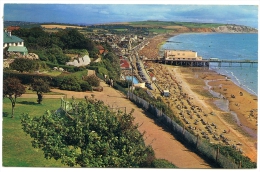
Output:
[[156, 23], [12, 88], [162, 163], [65, 67], [102, 70], [16, 147], [80, 74], [158, 103], [89, 135], [40, 86], [85, 86], [23, 65], [112, 64], [50, 46], [80, 52], [26, 78], [124, 83], [69, 83], [237, 156], [92, 80]]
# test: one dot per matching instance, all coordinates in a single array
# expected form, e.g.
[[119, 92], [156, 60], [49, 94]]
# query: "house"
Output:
[[11, 40], [18, 49], [101, 49], [181, 55], [12, 28], [124, 64]]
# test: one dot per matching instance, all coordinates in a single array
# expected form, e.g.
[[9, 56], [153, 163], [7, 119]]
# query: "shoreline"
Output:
[[193, 82], [235, 81]]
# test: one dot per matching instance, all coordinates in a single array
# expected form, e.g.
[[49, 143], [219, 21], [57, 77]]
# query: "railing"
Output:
[[185, 136]]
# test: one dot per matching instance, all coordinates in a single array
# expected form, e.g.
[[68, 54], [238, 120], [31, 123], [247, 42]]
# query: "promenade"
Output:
[[163, 143]]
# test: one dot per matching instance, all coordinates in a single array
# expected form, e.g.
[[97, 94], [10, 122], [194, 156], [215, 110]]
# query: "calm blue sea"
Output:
[[227, 47]]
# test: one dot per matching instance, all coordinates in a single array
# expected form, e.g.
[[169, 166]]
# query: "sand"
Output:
[[192, 102]]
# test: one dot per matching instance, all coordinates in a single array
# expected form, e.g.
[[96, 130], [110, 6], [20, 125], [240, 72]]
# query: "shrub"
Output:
[[93, 80], [84, 85], [162, 163], [69, 83]]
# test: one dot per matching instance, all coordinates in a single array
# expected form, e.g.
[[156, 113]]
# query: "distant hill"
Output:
[[152, 26], [22, 24], [194, 27]]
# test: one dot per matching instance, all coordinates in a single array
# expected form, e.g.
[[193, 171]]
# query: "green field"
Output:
[[169, 23], [17, 150], [121, 30], [160, 31]]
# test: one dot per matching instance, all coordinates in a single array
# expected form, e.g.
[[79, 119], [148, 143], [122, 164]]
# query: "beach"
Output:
[[209, 104]]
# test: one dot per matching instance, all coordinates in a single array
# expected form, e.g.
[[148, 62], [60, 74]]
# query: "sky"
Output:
[[94, 13]]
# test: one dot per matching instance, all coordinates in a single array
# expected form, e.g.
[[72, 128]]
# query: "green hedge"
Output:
[[65, 82], [65, 67]]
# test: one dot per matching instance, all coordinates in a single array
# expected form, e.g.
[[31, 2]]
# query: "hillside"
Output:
[[147, 26], [195, 27]]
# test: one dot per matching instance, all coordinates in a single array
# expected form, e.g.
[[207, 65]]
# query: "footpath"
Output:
[[163, 143]]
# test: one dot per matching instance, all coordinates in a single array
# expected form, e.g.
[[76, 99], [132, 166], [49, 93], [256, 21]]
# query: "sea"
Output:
[[224, 46]]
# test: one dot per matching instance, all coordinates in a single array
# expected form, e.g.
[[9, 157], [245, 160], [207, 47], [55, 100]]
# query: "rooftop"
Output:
[[8, 38]]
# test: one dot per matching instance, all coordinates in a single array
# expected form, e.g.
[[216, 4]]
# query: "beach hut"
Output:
[[166, 93]]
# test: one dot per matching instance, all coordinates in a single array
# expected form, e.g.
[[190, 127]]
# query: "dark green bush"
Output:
[[69, 83], [162, 163], [85, 86]]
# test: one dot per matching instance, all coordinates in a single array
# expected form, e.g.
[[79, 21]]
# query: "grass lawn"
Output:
[[17, 150]]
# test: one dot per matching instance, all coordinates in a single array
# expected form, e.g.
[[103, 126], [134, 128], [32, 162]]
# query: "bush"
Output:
[[85, 86], [23, 65], [28, 77], [162, 163], [93, 80], [124, 83], [69, 83]]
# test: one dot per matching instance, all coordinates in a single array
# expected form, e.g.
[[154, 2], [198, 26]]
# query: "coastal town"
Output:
[[181, 79]]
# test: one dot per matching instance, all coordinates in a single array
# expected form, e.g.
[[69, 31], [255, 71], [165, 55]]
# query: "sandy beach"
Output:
[[209, 104]]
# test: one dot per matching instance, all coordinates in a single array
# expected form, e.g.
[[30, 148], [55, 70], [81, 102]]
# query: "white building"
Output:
[[11, 40], [181, 55]]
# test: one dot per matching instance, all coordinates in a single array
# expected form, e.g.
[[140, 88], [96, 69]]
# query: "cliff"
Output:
[[220, 29], [235, 29]]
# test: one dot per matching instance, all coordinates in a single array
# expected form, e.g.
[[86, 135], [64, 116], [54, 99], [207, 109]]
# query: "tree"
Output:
[[12, 88], [112, 64], [40, 86], [23, 65], [89, 135]]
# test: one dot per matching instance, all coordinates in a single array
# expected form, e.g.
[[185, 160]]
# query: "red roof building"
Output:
[[124, 64], [12, 28], [101, 49]]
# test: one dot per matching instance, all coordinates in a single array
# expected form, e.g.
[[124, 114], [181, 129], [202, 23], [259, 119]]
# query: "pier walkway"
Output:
[[230, 62], [201, 63]]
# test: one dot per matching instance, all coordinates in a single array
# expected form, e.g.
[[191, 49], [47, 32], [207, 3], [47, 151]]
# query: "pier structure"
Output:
[[191, 59], [189, 63], [231, 62], [201, 63]]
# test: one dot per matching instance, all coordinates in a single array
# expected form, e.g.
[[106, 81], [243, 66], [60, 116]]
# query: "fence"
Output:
[[65, 105], [185, 136]]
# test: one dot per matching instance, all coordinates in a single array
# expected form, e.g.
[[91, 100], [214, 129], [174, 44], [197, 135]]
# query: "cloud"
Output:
[[91, 13]]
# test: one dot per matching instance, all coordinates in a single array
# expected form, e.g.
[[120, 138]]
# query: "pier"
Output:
[[201, 63], [190, 63], [230, 62]]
